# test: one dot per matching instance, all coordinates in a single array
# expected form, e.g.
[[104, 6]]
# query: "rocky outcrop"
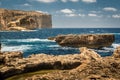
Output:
[[116, 53], [88, 54], [7, 57], [23, 20], [107, 68], [85, 40], [39, 62], [88, 65]]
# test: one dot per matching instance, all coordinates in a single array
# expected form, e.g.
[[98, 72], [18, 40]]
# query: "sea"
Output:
[[36, 41]]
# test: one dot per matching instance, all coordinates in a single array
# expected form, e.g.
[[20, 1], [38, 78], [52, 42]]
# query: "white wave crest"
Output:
[[53, 46], [15, 48], [115, 45], [31, 40]]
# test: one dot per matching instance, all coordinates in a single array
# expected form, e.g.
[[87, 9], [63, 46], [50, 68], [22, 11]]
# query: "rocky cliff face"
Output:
[[23, 20]]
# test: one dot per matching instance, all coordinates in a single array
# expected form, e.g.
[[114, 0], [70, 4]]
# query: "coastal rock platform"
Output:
[[84, 66], [92, 67]]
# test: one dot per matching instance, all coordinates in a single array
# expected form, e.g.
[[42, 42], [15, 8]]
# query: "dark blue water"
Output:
[[34, 42]]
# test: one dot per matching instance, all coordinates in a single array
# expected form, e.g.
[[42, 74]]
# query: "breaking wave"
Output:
[[29, 40], [21, 48]]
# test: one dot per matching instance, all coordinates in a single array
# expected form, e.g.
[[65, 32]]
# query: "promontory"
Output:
[[24, 20]]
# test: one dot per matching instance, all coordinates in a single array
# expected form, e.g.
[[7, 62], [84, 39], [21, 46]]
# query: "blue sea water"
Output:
[[36, 42]]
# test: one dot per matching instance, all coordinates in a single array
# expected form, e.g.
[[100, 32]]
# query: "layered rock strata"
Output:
[[23, 20], [85, 40]]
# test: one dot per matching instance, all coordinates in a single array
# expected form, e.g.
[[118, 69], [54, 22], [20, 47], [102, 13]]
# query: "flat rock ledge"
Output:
[[85, 40], [88, 65]]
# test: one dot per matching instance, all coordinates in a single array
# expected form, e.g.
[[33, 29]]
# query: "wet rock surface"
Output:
[[85, 40]]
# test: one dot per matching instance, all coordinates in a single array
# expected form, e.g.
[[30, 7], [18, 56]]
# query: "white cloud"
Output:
[[116, 16], [95, 11], [89, 1], [70, 0], [71, 15], [75, 15], [67, 11], [46, 1], [109, 9], [26, 4], [64, 0], [81, 15], [92, 15], [74, 0], [51, 1]]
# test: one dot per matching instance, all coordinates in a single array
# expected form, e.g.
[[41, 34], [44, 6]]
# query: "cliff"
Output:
[[23, 20]]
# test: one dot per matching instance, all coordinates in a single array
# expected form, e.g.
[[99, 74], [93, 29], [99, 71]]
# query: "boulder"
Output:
[[7, 57], [85, 40], [116, 53], [88, 54]]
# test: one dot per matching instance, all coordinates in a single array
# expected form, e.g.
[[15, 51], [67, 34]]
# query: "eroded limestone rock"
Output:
[[116, 53], [23, 20], [7, 57], [84, 66], [106, 68], [85, 40], [89, 54]]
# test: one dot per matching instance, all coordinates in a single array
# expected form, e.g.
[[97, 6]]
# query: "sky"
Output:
[[73, 13]]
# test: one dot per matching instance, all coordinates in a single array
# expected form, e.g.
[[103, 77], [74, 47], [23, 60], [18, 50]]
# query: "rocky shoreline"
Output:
[[88, 65]]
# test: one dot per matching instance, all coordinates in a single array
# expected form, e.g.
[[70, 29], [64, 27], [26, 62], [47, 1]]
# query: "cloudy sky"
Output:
[[73, 13]]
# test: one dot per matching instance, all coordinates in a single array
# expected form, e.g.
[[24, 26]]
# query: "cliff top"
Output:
[[2, 10]]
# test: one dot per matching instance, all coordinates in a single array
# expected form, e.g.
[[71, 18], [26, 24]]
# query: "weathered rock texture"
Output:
[[85, 40], [9, 56], [23, 20], [117, 53], [88, 65], [91, 68], [38, 62]]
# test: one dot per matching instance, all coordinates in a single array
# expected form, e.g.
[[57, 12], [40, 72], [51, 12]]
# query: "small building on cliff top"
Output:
[[23, 20]]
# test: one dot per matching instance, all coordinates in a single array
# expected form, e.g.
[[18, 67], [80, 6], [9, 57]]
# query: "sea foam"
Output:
[[29, 40], [16, 48]]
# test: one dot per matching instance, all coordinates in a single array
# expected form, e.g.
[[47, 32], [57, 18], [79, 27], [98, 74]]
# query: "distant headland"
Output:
[[23, 20]]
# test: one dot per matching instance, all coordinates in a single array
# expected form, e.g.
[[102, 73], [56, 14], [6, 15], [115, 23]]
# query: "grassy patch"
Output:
[[1, 66], [25, 75]]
